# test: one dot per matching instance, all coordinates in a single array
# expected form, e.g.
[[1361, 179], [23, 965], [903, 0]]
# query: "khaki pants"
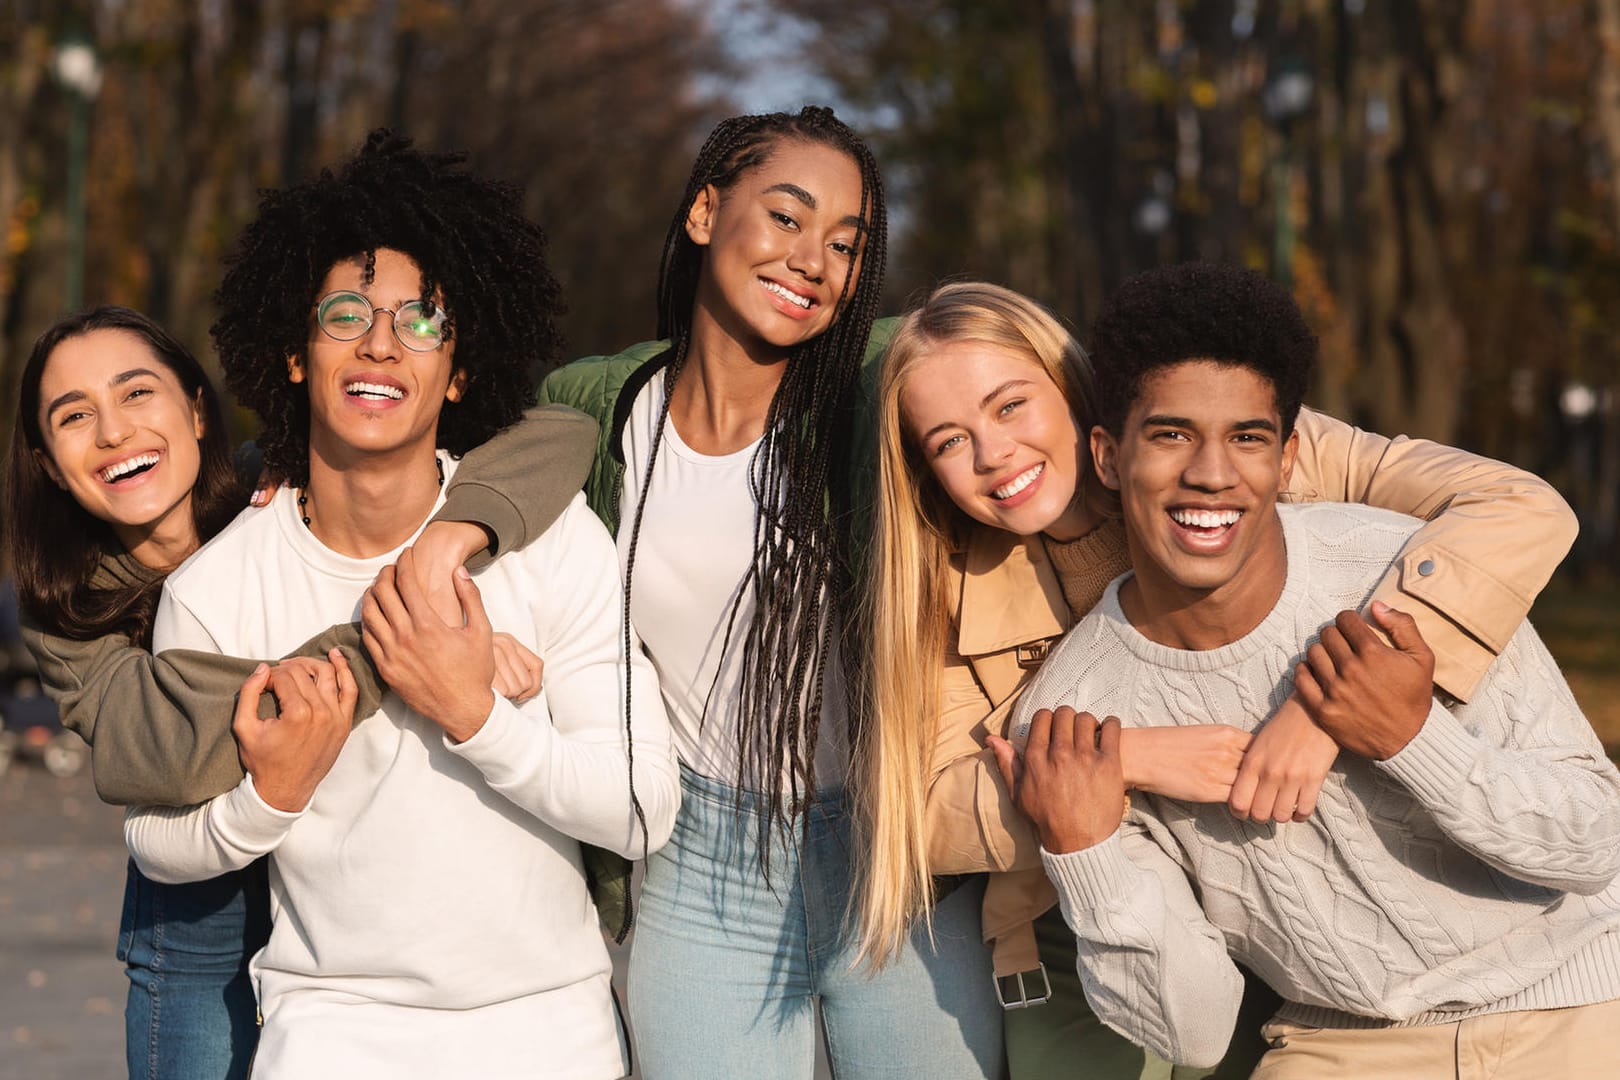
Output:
[[1547, 1044]]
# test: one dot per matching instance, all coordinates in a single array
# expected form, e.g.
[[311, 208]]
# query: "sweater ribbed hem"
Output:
[[1590, 976], [1435, 763]]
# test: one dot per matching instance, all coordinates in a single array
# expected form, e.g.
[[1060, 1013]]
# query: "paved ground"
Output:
[[61, 884]]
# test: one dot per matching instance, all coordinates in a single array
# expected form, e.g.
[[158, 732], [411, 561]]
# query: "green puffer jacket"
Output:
[[605, 387]]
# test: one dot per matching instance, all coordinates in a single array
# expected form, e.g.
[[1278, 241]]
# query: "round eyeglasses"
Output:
[[347, 316]]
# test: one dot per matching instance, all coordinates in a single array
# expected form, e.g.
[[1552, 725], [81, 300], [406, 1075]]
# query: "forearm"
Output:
[[517, 483], [195, 843], [1153, 967], [1494, 535], [578, 785], [1546, 816]]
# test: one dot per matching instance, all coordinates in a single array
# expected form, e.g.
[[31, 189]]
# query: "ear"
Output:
[[295, 368], [700, 218], [50, 468], [1105, 457], [198, 427], [1290, 451], [458, 385]]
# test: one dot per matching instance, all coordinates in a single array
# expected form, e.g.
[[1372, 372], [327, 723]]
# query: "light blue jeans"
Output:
[[726, 967], [191, 1013]]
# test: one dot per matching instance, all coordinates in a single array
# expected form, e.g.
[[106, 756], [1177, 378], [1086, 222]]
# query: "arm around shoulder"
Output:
[[1494, 535]]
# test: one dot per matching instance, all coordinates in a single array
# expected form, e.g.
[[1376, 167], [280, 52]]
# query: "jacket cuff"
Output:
[[481, 505]]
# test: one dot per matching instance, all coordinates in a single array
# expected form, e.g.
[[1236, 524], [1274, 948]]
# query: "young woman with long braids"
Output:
[[993, 538], [726, 469], [119, 469]]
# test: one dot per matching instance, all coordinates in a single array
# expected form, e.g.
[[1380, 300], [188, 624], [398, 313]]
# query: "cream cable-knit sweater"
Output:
[[1473, 872]]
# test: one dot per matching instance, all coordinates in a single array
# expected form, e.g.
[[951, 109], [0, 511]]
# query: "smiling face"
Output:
[[998, 435], [372, 395], [1199, 463], [779, 244], [120, 435]]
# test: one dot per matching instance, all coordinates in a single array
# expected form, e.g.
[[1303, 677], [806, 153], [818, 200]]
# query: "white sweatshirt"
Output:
[[431, 915]]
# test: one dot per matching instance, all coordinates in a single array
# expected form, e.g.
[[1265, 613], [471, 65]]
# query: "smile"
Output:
[[1206, 519], [374, 391], [786, 293], [1019, 482], [133, 466]]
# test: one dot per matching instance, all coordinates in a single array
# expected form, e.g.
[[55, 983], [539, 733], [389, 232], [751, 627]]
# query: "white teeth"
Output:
[[1206, 519], [1018, 483], [786, 293], [365, 389], [127, 466]]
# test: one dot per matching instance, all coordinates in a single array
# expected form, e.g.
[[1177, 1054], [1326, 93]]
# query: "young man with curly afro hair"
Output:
[[430, 902], [1451, 908]]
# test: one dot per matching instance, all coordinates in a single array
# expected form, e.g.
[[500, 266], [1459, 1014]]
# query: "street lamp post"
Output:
[[79, 71]]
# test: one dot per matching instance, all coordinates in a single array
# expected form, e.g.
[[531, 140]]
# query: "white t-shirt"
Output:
[[431, 915], [693, 552]]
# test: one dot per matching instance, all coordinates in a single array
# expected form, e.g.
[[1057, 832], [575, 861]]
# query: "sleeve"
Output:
[[159, 727], [1518, 777], [1494, 535], [1153, 967], [570, 763], [972, 823], [517, 483], [195, 843]]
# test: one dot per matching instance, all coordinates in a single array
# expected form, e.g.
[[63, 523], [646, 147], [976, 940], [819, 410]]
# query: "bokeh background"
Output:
[[1438, 181]]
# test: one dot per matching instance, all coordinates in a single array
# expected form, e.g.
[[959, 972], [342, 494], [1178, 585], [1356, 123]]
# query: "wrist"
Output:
[[469, 720]]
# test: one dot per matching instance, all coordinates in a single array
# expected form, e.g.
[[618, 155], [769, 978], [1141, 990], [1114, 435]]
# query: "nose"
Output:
[[1211, 467], [991, 450], [807, 258], [112, 427], [379, 344]]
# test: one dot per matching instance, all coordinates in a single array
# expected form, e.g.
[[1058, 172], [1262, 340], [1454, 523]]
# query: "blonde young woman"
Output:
[[992, 538]]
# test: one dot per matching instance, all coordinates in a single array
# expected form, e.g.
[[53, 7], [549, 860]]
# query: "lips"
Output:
[[129, 468], [791, 302], [374, 389], [1205, 529]]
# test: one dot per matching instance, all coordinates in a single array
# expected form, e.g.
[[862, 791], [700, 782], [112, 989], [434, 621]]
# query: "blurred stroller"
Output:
[[29, 723]]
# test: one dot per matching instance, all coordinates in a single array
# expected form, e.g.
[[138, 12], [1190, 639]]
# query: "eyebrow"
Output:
[[78, 395], [852, 220], [983, 403], [1257, 424]]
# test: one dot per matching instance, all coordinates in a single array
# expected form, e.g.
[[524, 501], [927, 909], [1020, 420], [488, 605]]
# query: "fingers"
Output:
[[1334, 643], [1039, 739], [1305, 799], [472, 601], [1063, 731], [1244, 790], [1108, 736], [1401, 628], [386, 592], [1006, 762], [1307, 689], [348, 689], [247, 699]]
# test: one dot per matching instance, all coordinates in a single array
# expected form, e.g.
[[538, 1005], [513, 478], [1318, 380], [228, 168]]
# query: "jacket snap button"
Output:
[[1426, 567]]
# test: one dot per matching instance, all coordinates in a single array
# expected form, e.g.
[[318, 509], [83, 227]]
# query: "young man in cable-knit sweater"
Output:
[[1451, 908]]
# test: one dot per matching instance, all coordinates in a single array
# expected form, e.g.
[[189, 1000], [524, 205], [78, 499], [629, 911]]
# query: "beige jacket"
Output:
[[1493, 538]]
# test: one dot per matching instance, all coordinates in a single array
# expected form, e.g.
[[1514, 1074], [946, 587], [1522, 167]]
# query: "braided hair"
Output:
[[800, 575], [475, 247]]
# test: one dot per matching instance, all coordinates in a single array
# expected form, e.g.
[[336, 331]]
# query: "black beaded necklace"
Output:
[[303, 494]]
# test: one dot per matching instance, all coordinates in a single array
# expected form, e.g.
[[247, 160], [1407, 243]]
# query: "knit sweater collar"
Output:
[[1278, 623]]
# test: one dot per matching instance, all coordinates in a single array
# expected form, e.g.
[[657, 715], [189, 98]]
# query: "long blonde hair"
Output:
[[907, 602]]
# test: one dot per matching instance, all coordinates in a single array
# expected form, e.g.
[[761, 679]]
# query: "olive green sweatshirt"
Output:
[[159, 727]]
